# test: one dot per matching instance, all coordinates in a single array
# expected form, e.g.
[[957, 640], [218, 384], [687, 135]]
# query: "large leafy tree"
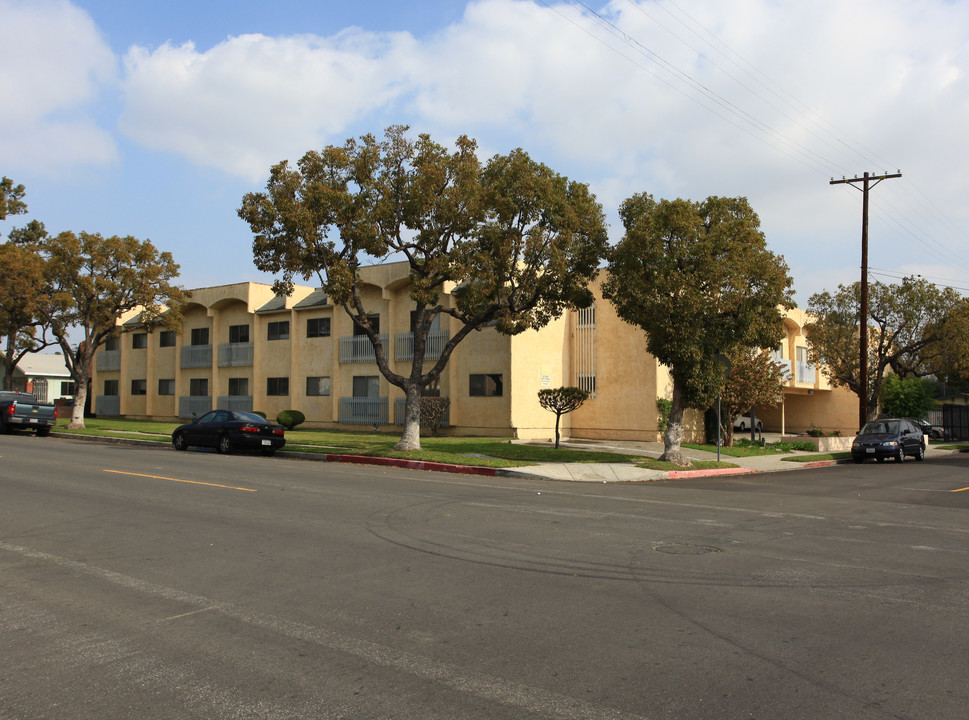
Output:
[[519, 241], [915, 328], [754, 379], [96, 280], [11, 198], [699, 279]]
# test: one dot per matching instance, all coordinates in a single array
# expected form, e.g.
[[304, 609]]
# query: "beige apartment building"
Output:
[[243, 347]]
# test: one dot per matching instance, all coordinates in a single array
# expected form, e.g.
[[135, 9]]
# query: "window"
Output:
[[67, 388], [277, 385], [111, 387], [139, 341], [316, 386], [166, 338], [198, 387], [238, 334], [485, 385], [318, 327], [112, 343], [366, 386], [166, 387], [374, 323], [200, 336], [278, 330], [239, 387], [139, 387]]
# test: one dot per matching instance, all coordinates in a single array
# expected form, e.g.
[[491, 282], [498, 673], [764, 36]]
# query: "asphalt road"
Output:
[[141, 583]]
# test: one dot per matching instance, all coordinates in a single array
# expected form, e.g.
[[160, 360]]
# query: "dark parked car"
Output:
[[888, 438], [228, 430], [936, 432]]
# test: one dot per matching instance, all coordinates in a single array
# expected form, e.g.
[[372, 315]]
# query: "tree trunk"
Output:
[[411, 437], [82, 371], [674, 431], [77, 409], [558, 416]]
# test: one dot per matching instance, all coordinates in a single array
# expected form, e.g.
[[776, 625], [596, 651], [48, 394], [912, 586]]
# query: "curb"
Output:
[[676, 474]]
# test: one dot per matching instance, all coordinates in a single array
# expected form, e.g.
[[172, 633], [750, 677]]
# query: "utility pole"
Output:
[[867, 181]]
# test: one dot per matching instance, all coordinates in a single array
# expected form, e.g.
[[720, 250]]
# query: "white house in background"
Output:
[[43, 374]]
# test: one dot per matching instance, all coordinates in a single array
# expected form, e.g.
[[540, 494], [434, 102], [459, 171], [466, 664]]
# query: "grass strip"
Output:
[[815, 457]]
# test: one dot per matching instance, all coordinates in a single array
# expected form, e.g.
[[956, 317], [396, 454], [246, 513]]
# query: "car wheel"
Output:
[[900, 457], [743, 427], [225, 445], [43, 432], [880, 459], [178, 441], [920, 455]]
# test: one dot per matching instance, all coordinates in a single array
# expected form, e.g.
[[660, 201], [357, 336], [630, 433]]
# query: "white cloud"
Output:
[[56, 64]]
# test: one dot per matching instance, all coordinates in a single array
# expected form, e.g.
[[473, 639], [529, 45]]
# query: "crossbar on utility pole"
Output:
[[868, 181]]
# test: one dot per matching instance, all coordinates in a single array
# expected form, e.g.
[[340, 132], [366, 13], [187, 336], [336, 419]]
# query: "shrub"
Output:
[[664, 407], [290, 418], [260, 413], [434, 412]]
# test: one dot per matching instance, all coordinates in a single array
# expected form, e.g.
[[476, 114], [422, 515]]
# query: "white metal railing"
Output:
[[364, 411], [785, 366], [109, 360], [358, 348], [189, 405], [235, 354], [400, 405], [404, 345], [196, 356], [243, 403], [806, 373], [107, 405]]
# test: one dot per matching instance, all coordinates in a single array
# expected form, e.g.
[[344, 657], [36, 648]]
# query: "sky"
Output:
[[153, 118]]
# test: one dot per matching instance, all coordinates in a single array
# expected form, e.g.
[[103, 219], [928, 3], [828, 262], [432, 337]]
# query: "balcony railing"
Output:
[[785, 366], [189, 405], [404, 345], [196, 356], [806, 373], [107, 405], [242, 403], [235, 354], [400, 405], [363, 411], [358, 348], [109, 360]]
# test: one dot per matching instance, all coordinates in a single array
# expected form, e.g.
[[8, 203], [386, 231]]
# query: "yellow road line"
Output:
[[960, 489], [191, 482]]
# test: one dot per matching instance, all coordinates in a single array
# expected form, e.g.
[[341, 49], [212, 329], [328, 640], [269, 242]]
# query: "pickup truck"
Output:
[[21, 410]]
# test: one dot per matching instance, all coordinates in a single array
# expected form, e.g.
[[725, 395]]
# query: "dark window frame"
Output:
[[139, 386], [318, 327], [277, 330], [166, 338], [239, 333], [486, 385], [277, 386], [139, 341], [168, 388]]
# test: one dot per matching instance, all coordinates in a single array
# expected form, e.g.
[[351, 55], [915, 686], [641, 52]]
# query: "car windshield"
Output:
[[250, 418], [881, 427]]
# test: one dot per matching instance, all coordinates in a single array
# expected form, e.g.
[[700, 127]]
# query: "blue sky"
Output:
[[154, 118]]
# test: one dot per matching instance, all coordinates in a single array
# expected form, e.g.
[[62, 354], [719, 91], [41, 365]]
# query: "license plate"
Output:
[[870, 451], [267, 442], [33, 420]]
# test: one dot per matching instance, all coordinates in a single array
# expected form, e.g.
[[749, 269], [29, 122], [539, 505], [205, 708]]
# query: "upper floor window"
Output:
[[316, 386], [112, 343], [374, 323], [139, 341], [318, 327], [238, 386], [111, 387], [200, 336], [238, 333], [166, 386], [278, 330], [198, 387], [166, 338], [139, 387], [277, 386]]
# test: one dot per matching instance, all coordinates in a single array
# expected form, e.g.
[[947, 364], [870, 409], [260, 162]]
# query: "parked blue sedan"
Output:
[[228, 430], [888, 438]]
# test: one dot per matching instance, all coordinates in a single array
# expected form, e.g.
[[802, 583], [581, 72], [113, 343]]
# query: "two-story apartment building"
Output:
[[243, 347]]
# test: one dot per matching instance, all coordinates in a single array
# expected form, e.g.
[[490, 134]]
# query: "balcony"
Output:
[[785, 366], [363, 411], [109, 360], [235, 355], [400, 405], [404, 345], [807, 373], [196, 356], [242, 403], [358, 348], [107, 405], [189, 405]]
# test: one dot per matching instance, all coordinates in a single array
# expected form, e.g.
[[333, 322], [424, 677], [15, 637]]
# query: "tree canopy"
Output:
[[11, 198], [519, 241], [94, 282], [754, 379], [561, 401], [915, 329], [698, 278]]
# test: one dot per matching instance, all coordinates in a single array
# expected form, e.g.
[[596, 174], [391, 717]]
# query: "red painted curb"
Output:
[[703, 473], [412, 464], [819, 463]]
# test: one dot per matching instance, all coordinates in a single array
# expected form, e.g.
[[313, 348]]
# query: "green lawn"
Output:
[[815, 457], [752, 450], [475, 451]]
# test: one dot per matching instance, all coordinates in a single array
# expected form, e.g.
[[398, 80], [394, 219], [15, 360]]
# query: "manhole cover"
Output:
[[685, 549]]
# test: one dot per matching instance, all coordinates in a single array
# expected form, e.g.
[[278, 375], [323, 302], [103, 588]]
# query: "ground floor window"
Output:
[[316, 386], [67, 389], [198, 387], [166, 386], [139, 387], [239, 387], [366, 386], [111, 387], [486, 385]]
